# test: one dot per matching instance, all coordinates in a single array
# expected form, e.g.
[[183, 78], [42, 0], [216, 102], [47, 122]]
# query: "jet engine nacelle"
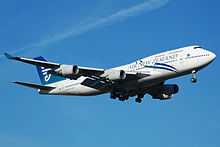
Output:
[[67, 70], [114, 75], [170, 89], [167, 91]]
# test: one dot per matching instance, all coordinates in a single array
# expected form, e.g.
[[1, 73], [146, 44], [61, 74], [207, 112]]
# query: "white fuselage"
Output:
[[159, 67]]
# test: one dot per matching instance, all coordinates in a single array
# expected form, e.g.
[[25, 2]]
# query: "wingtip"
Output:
[[15, 82], [8, 56]]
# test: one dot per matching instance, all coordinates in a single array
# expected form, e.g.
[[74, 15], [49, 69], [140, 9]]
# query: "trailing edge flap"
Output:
[[35, 86]]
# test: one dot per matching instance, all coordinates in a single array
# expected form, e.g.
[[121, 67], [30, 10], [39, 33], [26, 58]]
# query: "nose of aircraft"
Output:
[[209, 57], [212, 56]]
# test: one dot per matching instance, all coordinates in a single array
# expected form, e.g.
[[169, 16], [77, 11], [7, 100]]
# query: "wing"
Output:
[[83, 70], [95, 74], [33, 61]]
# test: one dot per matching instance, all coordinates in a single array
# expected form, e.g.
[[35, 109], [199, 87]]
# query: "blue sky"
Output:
[[74, 32]]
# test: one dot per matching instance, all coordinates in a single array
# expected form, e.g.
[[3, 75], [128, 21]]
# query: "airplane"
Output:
[[144, 76]]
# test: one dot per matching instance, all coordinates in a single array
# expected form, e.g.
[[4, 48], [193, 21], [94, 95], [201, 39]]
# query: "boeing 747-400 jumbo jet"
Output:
[[144, 76]]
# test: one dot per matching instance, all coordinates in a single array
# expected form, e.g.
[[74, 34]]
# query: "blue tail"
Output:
[[46, 78]]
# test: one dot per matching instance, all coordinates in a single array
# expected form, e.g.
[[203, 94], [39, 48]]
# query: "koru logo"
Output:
[[45, 74]]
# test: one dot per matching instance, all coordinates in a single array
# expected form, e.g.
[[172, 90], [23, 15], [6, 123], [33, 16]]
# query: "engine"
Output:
[[67, 70], [114, 75], [170, 89], [167, 91]]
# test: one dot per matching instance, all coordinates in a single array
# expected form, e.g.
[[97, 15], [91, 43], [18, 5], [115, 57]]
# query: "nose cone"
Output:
[[212, 56], [206, 58]]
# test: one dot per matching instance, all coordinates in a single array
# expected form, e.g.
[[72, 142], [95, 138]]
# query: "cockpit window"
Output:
[[197, 47]]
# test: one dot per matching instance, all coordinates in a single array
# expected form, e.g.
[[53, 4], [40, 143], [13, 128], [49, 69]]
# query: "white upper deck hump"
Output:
[[179, 50]]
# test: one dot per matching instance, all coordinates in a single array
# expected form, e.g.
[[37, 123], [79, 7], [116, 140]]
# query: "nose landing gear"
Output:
[[194, 76]]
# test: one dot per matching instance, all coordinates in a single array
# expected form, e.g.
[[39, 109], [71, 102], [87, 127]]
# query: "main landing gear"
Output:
[[139, 98], [120, 97], [194, 76], [126, 97]]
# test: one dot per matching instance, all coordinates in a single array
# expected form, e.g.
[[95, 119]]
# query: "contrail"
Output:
[[119, 16]]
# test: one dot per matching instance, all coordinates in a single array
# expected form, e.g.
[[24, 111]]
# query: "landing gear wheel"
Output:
[[138, 100], [121, 99], [140, 96], [193, 80], [126, 97], [113, 96], [194, 77]]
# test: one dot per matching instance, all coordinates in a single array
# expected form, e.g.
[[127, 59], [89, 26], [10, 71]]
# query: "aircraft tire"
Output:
[[138, 100]]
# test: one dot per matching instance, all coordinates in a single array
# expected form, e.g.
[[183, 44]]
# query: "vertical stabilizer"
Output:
[[45, 77]]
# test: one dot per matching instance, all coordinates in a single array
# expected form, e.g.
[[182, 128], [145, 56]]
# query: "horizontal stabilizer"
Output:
[[8, 56], [35, 86]]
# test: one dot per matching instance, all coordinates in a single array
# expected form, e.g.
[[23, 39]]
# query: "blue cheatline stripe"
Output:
[[158, 67], [163, 64]]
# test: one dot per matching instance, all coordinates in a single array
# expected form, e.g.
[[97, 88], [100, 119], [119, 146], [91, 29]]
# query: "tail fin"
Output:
[[45, 77]]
